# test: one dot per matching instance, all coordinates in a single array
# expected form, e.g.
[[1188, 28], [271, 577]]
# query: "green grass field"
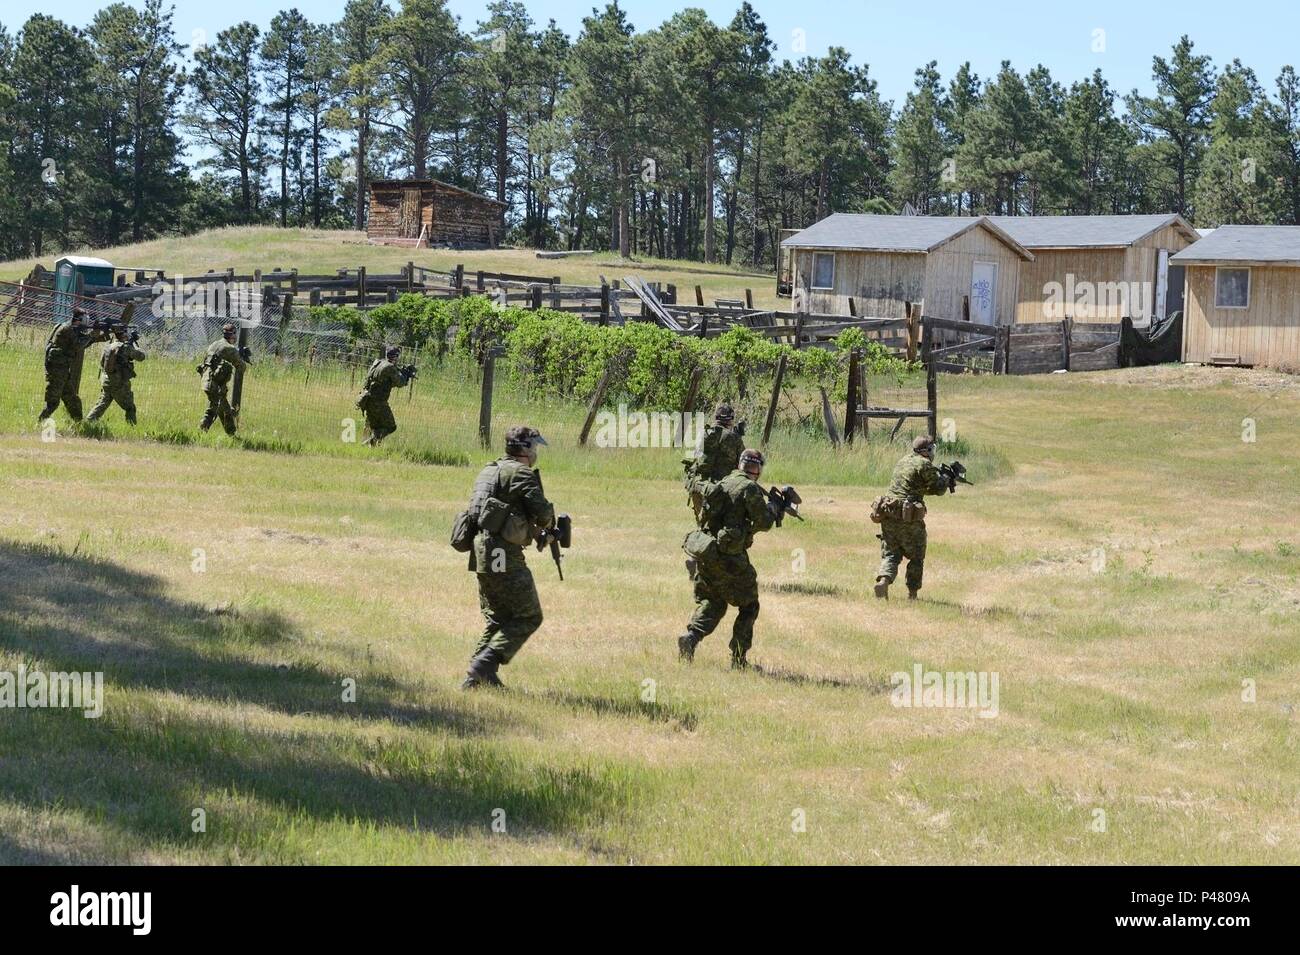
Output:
[[1128, 566]]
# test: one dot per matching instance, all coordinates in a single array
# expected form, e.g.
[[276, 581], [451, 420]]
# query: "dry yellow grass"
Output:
[[1136, 566]]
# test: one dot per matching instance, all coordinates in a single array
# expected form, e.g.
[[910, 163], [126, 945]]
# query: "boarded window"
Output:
[[1231, 288], [823, 270]]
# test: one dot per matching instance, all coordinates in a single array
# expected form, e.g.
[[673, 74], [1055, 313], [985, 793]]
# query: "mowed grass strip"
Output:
[[1126, 565]]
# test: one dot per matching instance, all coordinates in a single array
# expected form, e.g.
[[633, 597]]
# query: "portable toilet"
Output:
[[72, 273]]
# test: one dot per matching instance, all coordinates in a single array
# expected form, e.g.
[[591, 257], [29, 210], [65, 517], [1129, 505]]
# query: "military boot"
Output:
[[206, 423], [912, 592], [738, 662], [483, 671], [686, 647], [882, 588]]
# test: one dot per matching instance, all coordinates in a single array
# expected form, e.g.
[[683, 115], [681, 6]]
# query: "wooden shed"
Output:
[[1099, 268], [426, 212], [954, 266], [1243, 297]]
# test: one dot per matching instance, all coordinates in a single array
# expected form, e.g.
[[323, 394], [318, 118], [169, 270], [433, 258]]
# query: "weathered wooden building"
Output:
[[1099, 268], [1243, 297], [955, 267], [426, 212]]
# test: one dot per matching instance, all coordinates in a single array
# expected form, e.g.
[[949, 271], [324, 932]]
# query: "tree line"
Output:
[[691, 139]]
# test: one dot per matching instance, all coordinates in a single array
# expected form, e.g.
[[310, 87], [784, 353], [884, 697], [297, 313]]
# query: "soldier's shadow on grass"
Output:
[[145, 772]]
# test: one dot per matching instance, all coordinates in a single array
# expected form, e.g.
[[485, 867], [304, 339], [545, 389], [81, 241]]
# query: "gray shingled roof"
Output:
[[877, 233], [1245, 243], [1063, 232]]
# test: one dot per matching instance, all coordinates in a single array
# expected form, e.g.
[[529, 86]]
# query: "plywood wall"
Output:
[[1265, 333], [878, 282], [948, 275], [1104, 270]]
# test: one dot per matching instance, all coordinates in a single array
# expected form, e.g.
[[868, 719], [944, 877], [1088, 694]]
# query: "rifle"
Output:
[[408, 373], [783, 501], [739, 428], [561, 535], [954, 474]]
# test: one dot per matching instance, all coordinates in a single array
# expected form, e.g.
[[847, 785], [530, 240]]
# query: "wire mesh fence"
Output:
[[300, 389]]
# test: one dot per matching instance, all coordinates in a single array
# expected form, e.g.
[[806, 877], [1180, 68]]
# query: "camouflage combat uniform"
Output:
[[506, 593], [65, 352], [722, 572], [219, 364], [914, 477], [382, 377], [716, 456], [116, 369]]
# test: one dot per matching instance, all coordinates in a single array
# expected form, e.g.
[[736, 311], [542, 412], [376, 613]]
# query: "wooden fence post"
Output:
[[829, 417], [410, 276], [776, 396], [688, 406], [851, 411], [1065, 343], [699, 296], [534, 297], [1000, 335], [286, 316], [458, 277], [931, 378], [604, 303], [670, 294], [237, 386], [913, 320], [361, 287], [485, 398], [749, 299], [593, 407]]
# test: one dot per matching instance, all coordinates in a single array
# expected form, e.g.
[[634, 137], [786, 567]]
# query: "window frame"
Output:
[[1232, 268], [812, 277]]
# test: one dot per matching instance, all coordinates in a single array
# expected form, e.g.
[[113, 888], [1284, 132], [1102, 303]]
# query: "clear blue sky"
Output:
[[892, 37]]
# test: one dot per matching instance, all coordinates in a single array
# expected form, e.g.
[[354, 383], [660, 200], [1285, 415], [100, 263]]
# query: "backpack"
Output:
[[466, 525]]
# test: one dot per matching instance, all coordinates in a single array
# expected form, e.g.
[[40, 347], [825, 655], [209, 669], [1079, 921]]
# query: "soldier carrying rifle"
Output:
[[382, 377], [220, 362], [900, 512], [65, 352], [733, 511], [116, 369], [716, 456]]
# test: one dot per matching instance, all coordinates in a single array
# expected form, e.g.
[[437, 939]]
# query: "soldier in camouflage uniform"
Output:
[[220, 362], [382, 377], [511, 509], [716, 455], [735, 509], [65, 351], [116, 369], [902, 509]]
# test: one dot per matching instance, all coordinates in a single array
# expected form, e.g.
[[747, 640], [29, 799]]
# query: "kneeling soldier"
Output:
[[735, 509], [116, 369], [381, 378], [511, 510], [901, 515], [220, 362]]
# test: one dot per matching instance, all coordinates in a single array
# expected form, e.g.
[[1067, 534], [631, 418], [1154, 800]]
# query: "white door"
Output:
[[984, 293], [1162, 288]]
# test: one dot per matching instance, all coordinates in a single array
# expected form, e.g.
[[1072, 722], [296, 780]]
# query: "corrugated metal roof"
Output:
[[1081, 232], [1245, 243], [879, 233]]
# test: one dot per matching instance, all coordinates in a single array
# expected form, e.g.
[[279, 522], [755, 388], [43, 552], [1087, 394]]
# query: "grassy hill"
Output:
[[1126, 564], [317, 252]]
